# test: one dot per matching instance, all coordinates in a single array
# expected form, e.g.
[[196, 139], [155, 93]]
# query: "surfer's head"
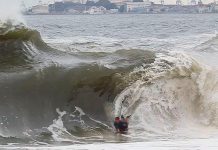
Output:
[[117, 118]]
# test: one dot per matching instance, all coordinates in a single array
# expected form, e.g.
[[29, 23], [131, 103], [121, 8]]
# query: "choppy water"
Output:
[[64, 88]]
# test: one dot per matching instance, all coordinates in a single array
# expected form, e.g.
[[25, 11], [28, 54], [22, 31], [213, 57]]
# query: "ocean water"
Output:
[[64, 78]]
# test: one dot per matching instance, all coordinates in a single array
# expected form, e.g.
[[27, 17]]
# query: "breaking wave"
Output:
[[175, 94], [48, 95]]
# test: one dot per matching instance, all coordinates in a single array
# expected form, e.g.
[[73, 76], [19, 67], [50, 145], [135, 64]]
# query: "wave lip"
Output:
[[19, 46]]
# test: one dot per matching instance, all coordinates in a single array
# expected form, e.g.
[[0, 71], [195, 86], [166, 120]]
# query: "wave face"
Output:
[[42, 96], [51, 95]]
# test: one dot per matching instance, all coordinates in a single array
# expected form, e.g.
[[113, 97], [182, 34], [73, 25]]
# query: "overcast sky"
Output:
[[34, 2]]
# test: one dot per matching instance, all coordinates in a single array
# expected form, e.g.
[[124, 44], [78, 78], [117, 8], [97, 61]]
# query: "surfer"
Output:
[[121, 125]]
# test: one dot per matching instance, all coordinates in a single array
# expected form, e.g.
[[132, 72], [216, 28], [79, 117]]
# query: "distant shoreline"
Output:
[[114, 14]]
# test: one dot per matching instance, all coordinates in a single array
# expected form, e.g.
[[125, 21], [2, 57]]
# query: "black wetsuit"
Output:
[[123, 126], [116, 125]]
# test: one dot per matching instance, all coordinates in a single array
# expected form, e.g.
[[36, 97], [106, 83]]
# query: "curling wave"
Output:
[[73, 96], [175, 94]]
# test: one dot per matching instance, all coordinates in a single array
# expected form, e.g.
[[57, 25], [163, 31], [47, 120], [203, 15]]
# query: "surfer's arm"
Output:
[[129, 116]]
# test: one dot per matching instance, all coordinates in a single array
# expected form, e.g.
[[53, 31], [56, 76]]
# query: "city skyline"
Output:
[[29, 3]]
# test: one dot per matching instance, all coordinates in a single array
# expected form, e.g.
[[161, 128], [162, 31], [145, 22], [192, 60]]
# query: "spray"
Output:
[[10, 10]]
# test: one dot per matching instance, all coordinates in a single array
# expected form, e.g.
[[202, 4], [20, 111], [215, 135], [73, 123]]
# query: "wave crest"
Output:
[[19, 46]]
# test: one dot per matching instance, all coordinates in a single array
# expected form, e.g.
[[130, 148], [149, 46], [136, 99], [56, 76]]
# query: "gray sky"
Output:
[[34, 2]]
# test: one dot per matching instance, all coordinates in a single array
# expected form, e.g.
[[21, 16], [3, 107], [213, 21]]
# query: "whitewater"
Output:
[[63, 79]]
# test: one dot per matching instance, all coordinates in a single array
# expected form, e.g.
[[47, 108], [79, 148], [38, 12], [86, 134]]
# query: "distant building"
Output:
[[118, 1], [139, 7], [77, 9], [75, 1], [183, 9], [158, 8], [67, 1], [119, 4], [39, 9], [113, 11], [57, 7], [193, 2], [94, 10], [202, 8], [178, 2], [215, 7]]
